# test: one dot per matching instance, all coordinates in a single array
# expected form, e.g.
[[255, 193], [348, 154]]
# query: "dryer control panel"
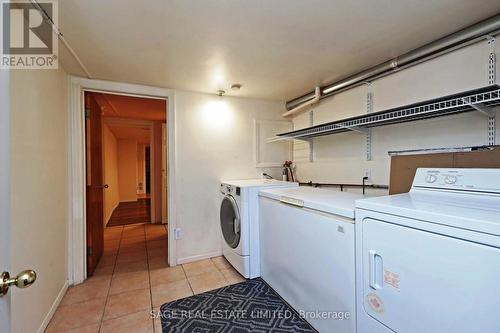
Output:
[[463, 180]]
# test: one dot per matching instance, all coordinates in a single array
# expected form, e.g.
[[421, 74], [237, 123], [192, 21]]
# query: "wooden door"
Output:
[[95, 205]]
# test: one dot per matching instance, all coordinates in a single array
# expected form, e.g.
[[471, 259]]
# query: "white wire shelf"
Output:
[[483, 100]]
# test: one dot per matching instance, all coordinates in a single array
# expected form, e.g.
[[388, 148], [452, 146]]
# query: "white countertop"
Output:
[[321, 199]]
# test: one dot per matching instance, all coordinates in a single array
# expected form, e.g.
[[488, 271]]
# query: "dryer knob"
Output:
[[431, 178], [450, 180]]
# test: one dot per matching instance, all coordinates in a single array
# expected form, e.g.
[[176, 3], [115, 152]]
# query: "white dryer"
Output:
[[239, 218], [429, 260]]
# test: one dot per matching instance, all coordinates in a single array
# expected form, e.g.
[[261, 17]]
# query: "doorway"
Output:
[[125, 171], [77, 260]]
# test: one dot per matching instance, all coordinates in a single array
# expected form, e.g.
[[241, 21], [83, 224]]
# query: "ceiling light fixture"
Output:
[[221, 92]]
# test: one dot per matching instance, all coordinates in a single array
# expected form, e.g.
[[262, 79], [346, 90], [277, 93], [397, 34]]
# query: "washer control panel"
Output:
[[469, 180], [229, 189]]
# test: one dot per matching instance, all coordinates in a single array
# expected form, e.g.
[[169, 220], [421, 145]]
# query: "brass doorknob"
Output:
[[21, 280]]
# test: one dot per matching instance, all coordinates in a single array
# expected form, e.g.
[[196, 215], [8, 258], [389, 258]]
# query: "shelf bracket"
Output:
[[486, 110], [285, 138], [361, 130], [276, 139], [302, 139]]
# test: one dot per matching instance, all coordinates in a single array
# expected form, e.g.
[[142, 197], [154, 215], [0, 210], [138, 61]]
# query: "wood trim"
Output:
[[76, 165]]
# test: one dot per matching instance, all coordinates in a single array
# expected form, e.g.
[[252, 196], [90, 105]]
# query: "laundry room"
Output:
[[231, 166]]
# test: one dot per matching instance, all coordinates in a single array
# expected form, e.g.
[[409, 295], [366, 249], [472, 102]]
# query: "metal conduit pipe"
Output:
[[299, 108], [451, 41]]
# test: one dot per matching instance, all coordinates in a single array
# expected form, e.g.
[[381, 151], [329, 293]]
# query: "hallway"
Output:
[[132, 212], [133, 279]]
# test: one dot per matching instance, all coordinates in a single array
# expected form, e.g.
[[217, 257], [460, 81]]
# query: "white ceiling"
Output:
[[278, 49]]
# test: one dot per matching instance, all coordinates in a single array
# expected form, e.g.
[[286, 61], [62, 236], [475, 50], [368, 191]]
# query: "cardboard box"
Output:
[[403, 167]]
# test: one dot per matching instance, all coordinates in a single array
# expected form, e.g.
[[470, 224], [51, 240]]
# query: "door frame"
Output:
[[5, 235], [77, 271]]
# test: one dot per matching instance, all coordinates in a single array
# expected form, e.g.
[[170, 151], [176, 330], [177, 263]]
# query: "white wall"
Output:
[[39, 191], [127, 169], [214, 141], [110, 159], [341, 158]]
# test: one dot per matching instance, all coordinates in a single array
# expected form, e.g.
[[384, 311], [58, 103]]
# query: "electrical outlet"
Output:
[[178, 233], [367, 173]]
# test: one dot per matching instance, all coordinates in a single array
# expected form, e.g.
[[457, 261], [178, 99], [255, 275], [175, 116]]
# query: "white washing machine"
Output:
[[429, 260], [239, 218]]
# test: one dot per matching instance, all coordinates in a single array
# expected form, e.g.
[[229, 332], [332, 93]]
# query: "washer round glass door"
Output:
[[230, 221]]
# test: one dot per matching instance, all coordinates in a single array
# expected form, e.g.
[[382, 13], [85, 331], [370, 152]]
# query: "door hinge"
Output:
[[87, 113], [90, 251]]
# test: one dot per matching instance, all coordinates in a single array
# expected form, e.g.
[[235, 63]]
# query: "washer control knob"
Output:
[[228, 189], [450, 179], [431, 178]]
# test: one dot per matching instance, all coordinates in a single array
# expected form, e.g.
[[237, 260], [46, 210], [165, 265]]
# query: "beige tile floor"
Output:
[[132, 280]]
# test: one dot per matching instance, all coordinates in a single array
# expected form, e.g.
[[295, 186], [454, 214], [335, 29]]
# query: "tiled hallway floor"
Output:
[[132, 280]]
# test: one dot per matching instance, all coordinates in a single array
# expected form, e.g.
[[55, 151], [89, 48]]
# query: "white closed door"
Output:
[[4, 194], [416, 281]]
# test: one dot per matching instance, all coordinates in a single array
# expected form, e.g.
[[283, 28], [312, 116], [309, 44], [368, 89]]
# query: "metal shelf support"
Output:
[[492, 78], [369, 109], [361, 130], [486, 110], [484, 99]]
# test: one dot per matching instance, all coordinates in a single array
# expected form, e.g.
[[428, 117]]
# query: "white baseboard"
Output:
[[53, 308], [186, 260]]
